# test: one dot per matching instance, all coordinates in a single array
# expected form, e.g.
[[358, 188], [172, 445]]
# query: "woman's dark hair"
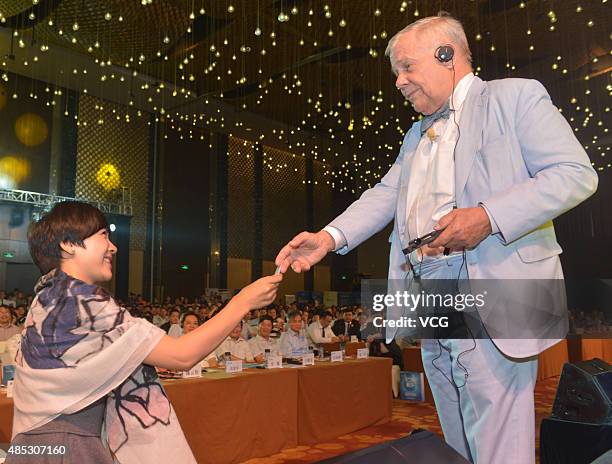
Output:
[[69, 221]]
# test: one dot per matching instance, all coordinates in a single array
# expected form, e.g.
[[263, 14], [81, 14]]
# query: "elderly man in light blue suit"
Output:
[[490, 166]]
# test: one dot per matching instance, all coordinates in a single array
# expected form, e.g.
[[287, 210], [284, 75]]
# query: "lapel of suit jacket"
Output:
[[471, 127], [409, 147]]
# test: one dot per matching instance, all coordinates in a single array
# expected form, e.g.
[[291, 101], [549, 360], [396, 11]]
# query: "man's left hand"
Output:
[[462, 228]]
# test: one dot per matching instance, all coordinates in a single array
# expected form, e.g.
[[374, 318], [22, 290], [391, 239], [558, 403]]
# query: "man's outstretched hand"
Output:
[[304, 251]]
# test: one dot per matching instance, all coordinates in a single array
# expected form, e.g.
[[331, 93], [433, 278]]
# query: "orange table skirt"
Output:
[[338, 398]]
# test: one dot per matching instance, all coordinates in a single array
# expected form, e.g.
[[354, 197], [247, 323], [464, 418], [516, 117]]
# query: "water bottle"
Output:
[[321, 351], [227, 356], [266, 356]]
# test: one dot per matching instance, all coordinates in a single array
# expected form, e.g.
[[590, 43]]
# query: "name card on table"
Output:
[[195, 371], [231, 367], [274, 362], [336, 356], [9, 389], [308, 359], [362, 353]]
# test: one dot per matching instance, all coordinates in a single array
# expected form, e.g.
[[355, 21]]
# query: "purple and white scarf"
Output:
[[78, 346]]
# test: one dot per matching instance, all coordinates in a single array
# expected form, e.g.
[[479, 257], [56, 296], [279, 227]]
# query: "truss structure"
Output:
[[45, 202]]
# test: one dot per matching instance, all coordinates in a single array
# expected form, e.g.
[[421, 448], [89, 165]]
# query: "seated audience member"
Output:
[[191, 321], [160, 316], [173, 323], [375, 338], [346, 327], [7, 327], [20, 315], [263, 341], [20, 298], [305, 319], [320, 331], [236, 345], [6, 300], [253, 321], [203, 312], [246, 329], [363, 320], [293, 342], [278, 327]]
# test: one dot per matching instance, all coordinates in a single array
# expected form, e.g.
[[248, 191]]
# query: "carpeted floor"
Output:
[[406, 417]]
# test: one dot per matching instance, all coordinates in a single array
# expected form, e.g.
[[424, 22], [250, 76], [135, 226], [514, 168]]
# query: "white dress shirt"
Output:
[[175, 331], [319, 335], [432, 175], [293, 343], [258, 345], [239, 348]]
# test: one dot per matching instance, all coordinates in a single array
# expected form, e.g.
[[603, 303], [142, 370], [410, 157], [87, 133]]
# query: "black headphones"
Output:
[[444, 53]]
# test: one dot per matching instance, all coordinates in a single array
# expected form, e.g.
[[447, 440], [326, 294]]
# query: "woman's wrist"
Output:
[[241, 304]]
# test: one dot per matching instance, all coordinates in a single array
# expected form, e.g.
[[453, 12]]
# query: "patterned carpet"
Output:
[[406, 417]]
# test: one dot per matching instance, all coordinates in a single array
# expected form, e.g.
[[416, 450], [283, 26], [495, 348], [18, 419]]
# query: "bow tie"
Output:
[[429, 121]]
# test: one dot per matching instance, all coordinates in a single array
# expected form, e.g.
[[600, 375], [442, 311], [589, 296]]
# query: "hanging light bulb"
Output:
[[283, 17], [257, 31]]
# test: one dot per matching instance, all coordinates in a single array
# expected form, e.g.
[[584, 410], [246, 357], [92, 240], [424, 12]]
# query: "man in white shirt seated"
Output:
[[262, 341], [293, 342], [320, 331], [173, 323], [236, 345]]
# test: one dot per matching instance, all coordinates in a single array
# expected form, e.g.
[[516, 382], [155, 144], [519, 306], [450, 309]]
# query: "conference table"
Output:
[[230, 418]]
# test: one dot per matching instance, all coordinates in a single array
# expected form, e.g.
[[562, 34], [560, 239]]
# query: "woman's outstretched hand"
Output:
[[260, 293]]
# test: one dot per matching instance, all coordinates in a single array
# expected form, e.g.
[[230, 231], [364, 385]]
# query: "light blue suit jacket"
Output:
[[519, 157]]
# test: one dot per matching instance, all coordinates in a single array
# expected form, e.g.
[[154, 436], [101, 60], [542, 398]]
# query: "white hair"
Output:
[[444, 25]]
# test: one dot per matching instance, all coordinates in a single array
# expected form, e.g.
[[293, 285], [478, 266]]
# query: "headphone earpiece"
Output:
[[444, 53]]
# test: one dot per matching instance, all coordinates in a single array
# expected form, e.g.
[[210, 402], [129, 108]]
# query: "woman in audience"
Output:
[[191, 321], [7, 326], [84, 360]]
